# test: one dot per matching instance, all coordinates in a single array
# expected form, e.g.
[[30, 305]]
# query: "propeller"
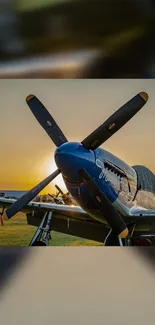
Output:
[[46, 120], [109, 212], [94, 140], [29, 196], [115, 122]]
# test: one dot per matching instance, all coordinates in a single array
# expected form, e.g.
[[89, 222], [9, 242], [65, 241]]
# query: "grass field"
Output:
[[16, 232], [29, 4]]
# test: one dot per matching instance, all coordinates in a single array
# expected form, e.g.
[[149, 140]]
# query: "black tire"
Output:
[[39, 243]]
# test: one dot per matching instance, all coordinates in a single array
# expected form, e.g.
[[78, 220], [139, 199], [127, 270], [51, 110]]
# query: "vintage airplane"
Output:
[[116, 202]]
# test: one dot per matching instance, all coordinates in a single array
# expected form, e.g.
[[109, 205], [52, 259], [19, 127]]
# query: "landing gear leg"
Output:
[[1, 217], [113, 240], [42, 235]]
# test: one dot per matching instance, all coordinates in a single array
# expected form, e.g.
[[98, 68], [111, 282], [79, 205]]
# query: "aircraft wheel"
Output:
[[38, 243]]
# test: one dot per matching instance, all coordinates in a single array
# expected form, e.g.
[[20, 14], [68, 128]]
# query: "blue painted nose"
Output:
[[70, 157], [66, 158]]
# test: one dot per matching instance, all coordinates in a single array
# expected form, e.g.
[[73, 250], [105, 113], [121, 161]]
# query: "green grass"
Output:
[[35, 4], [16, 232]]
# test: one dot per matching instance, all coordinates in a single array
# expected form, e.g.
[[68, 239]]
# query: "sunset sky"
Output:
[[78, 106]]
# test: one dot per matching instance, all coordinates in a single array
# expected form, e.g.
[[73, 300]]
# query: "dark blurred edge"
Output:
[[121, 32], [146, 254], [11, 258]]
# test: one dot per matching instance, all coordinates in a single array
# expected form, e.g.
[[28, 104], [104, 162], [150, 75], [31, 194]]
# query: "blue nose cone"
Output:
[[67, 148], [70, 157], [66, 157]]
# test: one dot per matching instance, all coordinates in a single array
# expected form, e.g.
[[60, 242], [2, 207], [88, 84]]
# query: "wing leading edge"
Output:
[[141, 212], [67, 210]]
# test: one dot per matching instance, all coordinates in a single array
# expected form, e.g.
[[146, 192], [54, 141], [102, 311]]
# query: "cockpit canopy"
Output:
[[145, 179]]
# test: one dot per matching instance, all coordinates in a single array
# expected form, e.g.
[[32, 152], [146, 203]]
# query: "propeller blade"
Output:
[[46, 120], [29, 196], [111, 215], [115, 122]]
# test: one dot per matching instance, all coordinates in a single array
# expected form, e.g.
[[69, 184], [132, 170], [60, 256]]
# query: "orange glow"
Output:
[[27, 153]]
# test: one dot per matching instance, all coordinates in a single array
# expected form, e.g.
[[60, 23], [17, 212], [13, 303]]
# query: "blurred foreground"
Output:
[[77, 38], [77, 285]]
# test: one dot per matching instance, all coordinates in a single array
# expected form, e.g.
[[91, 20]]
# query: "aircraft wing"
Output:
[[72, 211], [141, 212], [13, 194], [71, 220]]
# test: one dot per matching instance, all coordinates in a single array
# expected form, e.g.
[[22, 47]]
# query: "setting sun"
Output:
[[58, 180]]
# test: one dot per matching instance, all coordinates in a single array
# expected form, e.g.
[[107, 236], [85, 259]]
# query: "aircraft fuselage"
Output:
[[116, 179]]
